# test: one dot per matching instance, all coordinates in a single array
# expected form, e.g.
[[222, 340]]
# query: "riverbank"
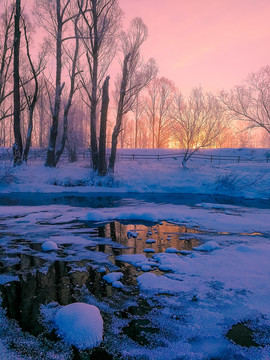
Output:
[[233, 172]]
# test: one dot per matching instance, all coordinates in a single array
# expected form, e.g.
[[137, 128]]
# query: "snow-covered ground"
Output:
[[156, 304], [248, 178]]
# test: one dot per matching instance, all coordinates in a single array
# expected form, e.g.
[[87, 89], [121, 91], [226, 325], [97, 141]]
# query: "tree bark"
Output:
[[71, 93], [94, 101], [102, 166], [17, 147], [31, 106], [50, 160]]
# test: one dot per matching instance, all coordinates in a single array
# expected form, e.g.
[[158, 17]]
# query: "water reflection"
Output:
[[64, 276], [22, 299], [137, 237]]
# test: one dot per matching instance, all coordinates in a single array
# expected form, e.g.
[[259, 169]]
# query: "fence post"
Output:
[[133, 156], [211, 158], [158, 157], [238, 159]]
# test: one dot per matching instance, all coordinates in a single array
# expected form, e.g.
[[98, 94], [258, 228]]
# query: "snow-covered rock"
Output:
[[80, 325], [117, 284], [112, 277], [49, 246]]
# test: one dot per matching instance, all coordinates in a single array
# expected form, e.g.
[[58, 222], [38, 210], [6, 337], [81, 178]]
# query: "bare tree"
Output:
[[102, 20], [198, 121], [6, 52], [73, 73], [151, 107], [135, 76], [158, 107], [251, 102], [55, 18], [102, 166], [17, 146], [31, 98], [138, 111]]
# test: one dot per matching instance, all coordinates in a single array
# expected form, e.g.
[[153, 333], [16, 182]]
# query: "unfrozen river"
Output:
[[193, 284]]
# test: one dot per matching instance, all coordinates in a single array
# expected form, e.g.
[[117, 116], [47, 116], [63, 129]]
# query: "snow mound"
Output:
[[149, 250], [145, 267], [150, 241], [49, 246], [209, 246], [112, 277], [171, 250], [80, 324]]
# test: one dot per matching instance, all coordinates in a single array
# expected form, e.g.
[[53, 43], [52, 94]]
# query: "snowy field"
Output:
[[173, 276], [245, 173]]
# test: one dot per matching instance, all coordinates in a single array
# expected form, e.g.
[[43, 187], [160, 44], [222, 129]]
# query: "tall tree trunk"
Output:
[[31, 106], [119, 117], [93, 140], [17, 147], [50, 160], [29, 134], [71, 93], [153, 133], [41, 120], [94, 101], [102, 166]]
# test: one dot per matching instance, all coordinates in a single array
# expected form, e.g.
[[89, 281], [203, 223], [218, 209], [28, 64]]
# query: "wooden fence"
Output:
[[210, 157]]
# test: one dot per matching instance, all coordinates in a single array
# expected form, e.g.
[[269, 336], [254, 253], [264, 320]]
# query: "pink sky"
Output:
[[212, 43]]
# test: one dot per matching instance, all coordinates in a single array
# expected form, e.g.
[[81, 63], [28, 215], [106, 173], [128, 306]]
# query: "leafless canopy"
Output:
[[198, 121], [251, 101]]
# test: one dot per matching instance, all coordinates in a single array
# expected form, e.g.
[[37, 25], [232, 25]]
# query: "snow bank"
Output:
[[208, 246], [80, 324]]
